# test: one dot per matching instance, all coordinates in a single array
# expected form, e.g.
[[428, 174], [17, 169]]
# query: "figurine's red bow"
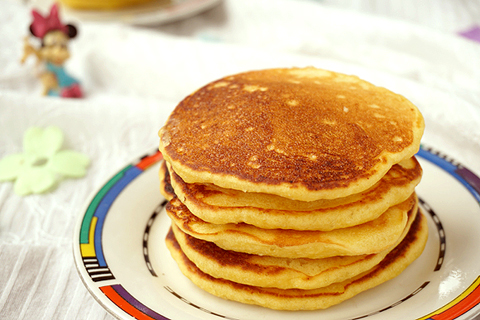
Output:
[[42, 25]]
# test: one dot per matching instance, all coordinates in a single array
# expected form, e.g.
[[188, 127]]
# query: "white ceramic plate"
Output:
[[155, 12], [122, 259]]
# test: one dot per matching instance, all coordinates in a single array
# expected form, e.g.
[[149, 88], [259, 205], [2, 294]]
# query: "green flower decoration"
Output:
[[42, 164]]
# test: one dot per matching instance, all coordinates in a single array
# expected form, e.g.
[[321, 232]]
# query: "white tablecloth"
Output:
[[134, 76]]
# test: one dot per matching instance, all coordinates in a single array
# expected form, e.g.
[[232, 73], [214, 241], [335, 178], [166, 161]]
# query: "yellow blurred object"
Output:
[[101, 4]]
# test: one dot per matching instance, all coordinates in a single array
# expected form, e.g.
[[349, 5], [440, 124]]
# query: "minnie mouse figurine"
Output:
[[53, 51]]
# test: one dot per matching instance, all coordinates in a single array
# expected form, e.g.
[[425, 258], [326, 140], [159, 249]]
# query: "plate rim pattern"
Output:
[[89, 256]]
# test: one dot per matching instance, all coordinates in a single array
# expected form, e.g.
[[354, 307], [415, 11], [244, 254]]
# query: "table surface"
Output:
[[119, 117]]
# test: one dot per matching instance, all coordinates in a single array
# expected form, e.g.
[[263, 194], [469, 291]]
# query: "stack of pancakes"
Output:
[[293, 189]]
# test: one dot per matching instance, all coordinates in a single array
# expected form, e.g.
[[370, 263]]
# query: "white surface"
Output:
[[133, 77]]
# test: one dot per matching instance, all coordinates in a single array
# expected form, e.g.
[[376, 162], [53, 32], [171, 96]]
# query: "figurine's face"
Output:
[[55, 47]]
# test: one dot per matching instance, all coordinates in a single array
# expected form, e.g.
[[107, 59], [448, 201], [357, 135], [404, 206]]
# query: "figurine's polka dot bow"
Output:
[[42, 164]]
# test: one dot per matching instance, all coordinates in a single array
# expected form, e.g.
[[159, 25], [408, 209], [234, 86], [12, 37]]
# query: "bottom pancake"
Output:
[[297, 299]]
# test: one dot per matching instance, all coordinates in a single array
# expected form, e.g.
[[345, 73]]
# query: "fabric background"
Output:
[[134, 76]]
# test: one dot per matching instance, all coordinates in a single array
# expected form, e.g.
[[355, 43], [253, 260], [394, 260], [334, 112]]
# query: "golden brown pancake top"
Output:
[[305, 127]]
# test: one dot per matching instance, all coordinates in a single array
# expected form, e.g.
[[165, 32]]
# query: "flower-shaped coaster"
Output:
[[42, 164]]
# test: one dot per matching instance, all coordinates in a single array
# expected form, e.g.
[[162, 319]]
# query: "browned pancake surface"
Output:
[[307, 128]]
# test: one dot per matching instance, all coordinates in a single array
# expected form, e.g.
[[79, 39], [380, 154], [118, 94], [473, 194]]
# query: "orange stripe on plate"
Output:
[[124, 305], [148, 161], [458, 306], [461, 307]]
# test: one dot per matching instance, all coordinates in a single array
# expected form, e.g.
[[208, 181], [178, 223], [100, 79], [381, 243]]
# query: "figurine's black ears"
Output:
[[71, 31], [31, 30]]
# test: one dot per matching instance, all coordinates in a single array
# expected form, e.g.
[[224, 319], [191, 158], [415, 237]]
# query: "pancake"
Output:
[[283, 273], [165, 183], [371, 237], [219, 206], [296, 299], [303, 134]]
